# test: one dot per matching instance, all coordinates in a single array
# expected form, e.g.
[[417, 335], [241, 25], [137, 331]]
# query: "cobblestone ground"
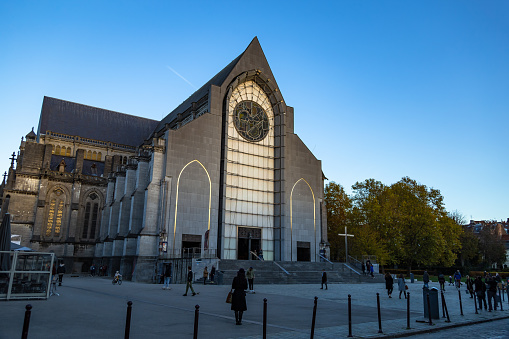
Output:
[[94, 308], [498, 329]]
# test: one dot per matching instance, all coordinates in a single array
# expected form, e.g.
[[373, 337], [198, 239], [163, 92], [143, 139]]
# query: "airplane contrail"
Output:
[[180, 76]]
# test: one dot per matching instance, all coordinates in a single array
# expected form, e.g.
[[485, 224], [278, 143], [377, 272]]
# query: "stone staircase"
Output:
[[299, 272]]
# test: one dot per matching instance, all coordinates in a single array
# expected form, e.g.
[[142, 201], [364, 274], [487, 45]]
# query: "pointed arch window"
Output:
[[91, 216], [55, 214], [99, 156]]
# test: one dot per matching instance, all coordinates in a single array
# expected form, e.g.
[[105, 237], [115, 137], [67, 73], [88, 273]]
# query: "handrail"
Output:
[[256, 255], [324, 258], [352, 269], [281, 267], [354, 261], [273, 262]]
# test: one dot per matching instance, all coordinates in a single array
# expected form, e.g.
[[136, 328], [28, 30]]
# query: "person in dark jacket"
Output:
[[470, 286], [389, 282], [324, 279], [167, 276], [479, 288], [239, 287], [492, 293], [212, 274], [61, 272], [189, 284]]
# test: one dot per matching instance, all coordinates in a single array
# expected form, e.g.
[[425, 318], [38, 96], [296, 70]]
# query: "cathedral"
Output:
[[222, 176]]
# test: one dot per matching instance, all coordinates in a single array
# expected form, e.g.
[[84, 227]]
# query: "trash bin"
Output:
[[412, 278], [433, 302], [219, 277]]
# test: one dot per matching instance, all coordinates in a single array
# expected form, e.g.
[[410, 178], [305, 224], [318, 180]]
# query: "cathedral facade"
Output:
[[221, 176]]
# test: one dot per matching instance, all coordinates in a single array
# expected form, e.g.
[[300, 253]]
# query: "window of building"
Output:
[[57, 150], [90, 218], [55, 214], [99, 156], [94, 156], [68, 153]]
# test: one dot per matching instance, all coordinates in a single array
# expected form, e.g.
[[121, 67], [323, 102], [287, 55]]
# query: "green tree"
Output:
[[491, 247], [409, 221], [469, 255], [338, 205]]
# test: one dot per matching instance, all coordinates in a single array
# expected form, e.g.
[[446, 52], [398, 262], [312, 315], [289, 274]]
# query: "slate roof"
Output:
[[217, 80], [70, 118]]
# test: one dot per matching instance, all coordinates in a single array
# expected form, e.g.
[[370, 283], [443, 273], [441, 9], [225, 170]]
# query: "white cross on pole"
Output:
[[346, 235]]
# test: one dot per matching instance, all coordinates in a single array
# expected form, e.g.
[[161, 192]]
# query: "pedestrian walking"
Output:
[[92, 270], [363, 267], [372, 271], [61, 272], [457, 279], [470, 286], [205, 275], [425, 279], [212, 273], [260, 254], [167, 276], [389, 282], [324, 280], [189, 283], [480, 289], [239, 305], [450, 281], [250, 278], [401, 285], [492, 293]]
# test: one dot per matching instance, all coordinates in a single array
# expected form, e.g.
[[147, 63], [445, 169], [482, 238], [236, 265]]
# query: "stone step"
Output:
[[267, 272]]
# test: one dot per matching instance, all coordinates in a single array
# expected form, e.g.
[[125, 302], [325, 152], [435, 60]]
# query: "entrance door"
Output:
[[249, 239], [191, 245], [303, 251]]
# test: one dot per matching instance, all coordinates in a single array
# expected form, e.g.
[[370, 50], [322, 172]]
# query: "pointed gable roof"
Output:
[[60, 116], [252, 58]]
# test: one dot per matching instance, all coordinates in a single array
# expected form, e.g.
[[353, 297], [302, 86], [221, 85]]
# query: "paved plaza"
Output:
[[93, 307]]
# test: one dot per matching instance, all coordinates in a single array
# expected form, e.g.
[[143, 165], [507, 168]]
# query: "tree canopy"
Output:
[[404, 223]]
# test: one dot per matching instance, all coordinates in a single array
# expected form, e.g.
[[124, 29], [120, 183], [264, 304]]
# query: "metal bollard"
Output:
[[350, 316], [443, 307], [264, 318], [196, 315], [475, 304], [446, 311], [313, 320], [500, 295], [461, 304], [26, 322], [429, 309], [408, 311], [128, 319], [379, 314]]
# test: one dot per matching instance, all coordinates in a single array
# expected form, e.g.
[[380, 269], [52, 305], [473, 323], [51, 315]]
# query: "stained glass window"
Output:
[[251, 121], [55, 214]]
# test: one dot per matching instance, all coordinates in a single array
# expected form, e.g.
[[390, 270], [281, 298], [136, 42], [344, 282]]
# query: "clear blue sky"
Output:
[[381, 89]]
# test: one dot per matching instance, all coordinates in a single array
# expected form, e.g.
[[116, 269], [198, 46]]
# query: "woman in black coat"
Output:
[[239, 286], [389, 282]]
